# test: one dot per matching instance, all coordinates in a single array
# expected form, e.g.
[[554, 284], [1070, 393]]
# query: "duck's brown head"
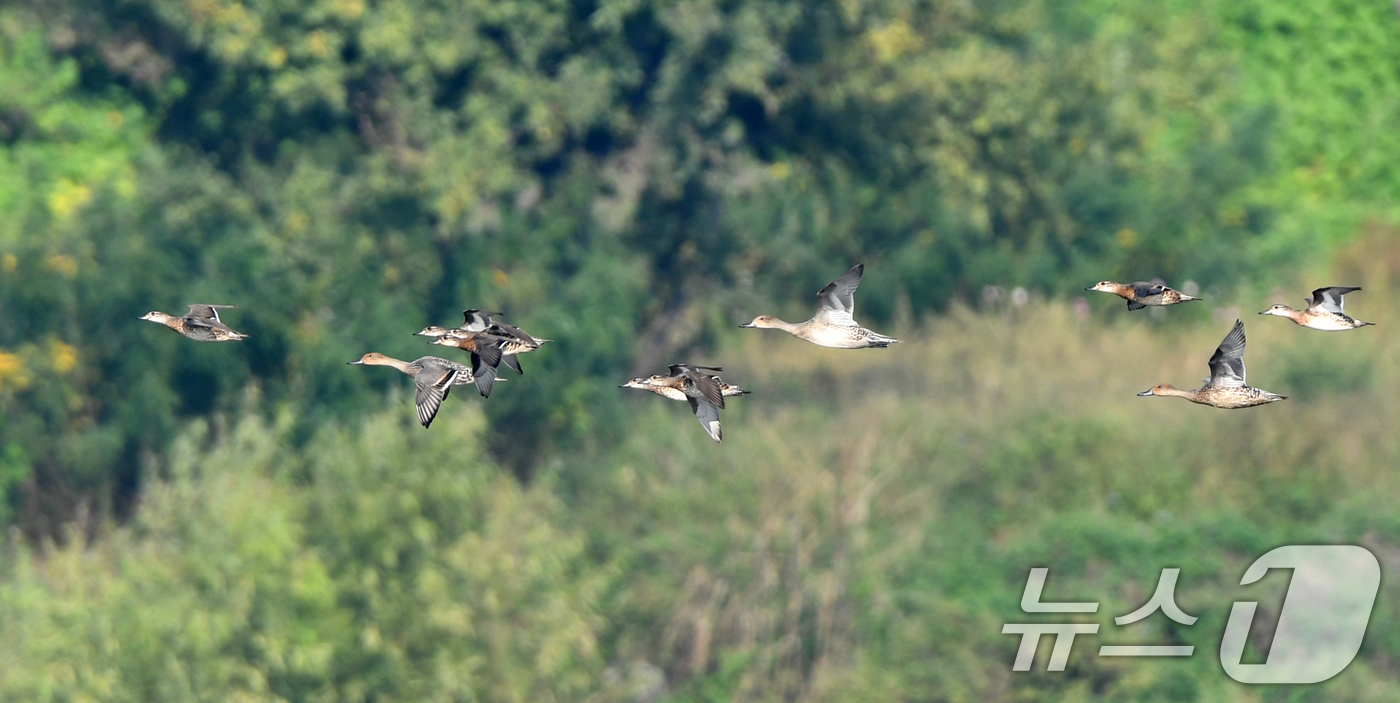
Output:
[[156, 316], [762, 321], [1277, 309], [1160, 389], [371, 359], [431, 331], [1104, 287], [449, 340]]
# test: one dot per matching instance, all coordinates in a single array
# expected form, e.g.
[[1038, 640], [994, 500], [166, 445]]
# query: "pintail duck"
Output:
[[476, 321], [1323, 311], [1226, 387], [705, 392], [834, 324], [516, 341], [432, 376], [201, 323], [1141, 294], [485, 348]]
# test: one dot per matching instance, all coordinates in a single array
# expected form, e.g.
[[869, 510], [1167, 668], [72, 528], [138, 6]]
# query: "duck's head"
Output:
[[1278, 309], [156, 316], [762, 321], [648, 382], [1160, 389], [448, 340], [1104, 287], [431, 331], [371, 359]]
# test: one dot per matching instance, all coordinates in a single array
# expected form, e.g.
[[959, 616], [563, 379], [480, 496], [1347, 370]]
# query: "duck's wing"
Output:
[[706, 384], [431, 387], [1227, 363], [681, 369], [513, 362], [488, 347], [836, 303], [1330, 298], [464, 372], [206, 312], [213, 323], [506, 329], [476, 320], [708, 415], [484, 374], [1144, 289]]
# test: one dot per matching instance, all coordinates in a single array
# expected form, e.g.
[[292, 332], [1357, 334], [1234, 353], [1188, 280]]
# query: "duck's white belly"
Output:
[[1329, 323], [839, 337]]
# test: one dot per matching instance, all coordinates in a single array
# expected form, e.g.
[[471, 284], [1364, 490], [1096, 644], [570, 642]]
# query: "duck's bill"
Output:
[[747, 325], [1147, 392], [357, 362]]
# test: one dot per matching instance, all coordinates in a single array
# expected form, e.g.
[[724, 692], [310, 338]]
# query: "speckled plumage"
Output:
[[433, 378], [703, 390], [201, 323], [1226, 387], [1141, 294]]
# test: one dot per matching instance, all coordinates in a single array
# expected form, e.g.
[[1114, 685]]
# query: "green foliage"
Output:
[[346, 575]]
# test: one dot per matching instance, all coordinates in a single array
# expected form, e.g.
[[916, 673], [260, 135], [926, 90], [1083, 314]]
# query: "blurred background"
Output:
[[257, 521]]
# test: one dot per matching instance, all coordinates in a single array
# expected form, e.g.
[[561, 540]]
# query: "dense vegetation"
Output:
[[631, 178]]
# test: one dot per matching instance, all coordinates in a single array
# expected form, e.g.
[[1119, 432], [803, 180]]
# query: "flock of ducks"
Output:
[[1226, 387], [491, 343]]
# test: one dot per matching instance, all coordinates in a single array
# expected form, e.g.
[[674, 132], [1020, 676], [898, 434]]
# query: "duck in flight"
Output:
[[1141, 294], [704, 390], [834, 325], [201, 323], [432, 376], [515, 340], [1226, 386], [486, 351], [1323, 312]]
